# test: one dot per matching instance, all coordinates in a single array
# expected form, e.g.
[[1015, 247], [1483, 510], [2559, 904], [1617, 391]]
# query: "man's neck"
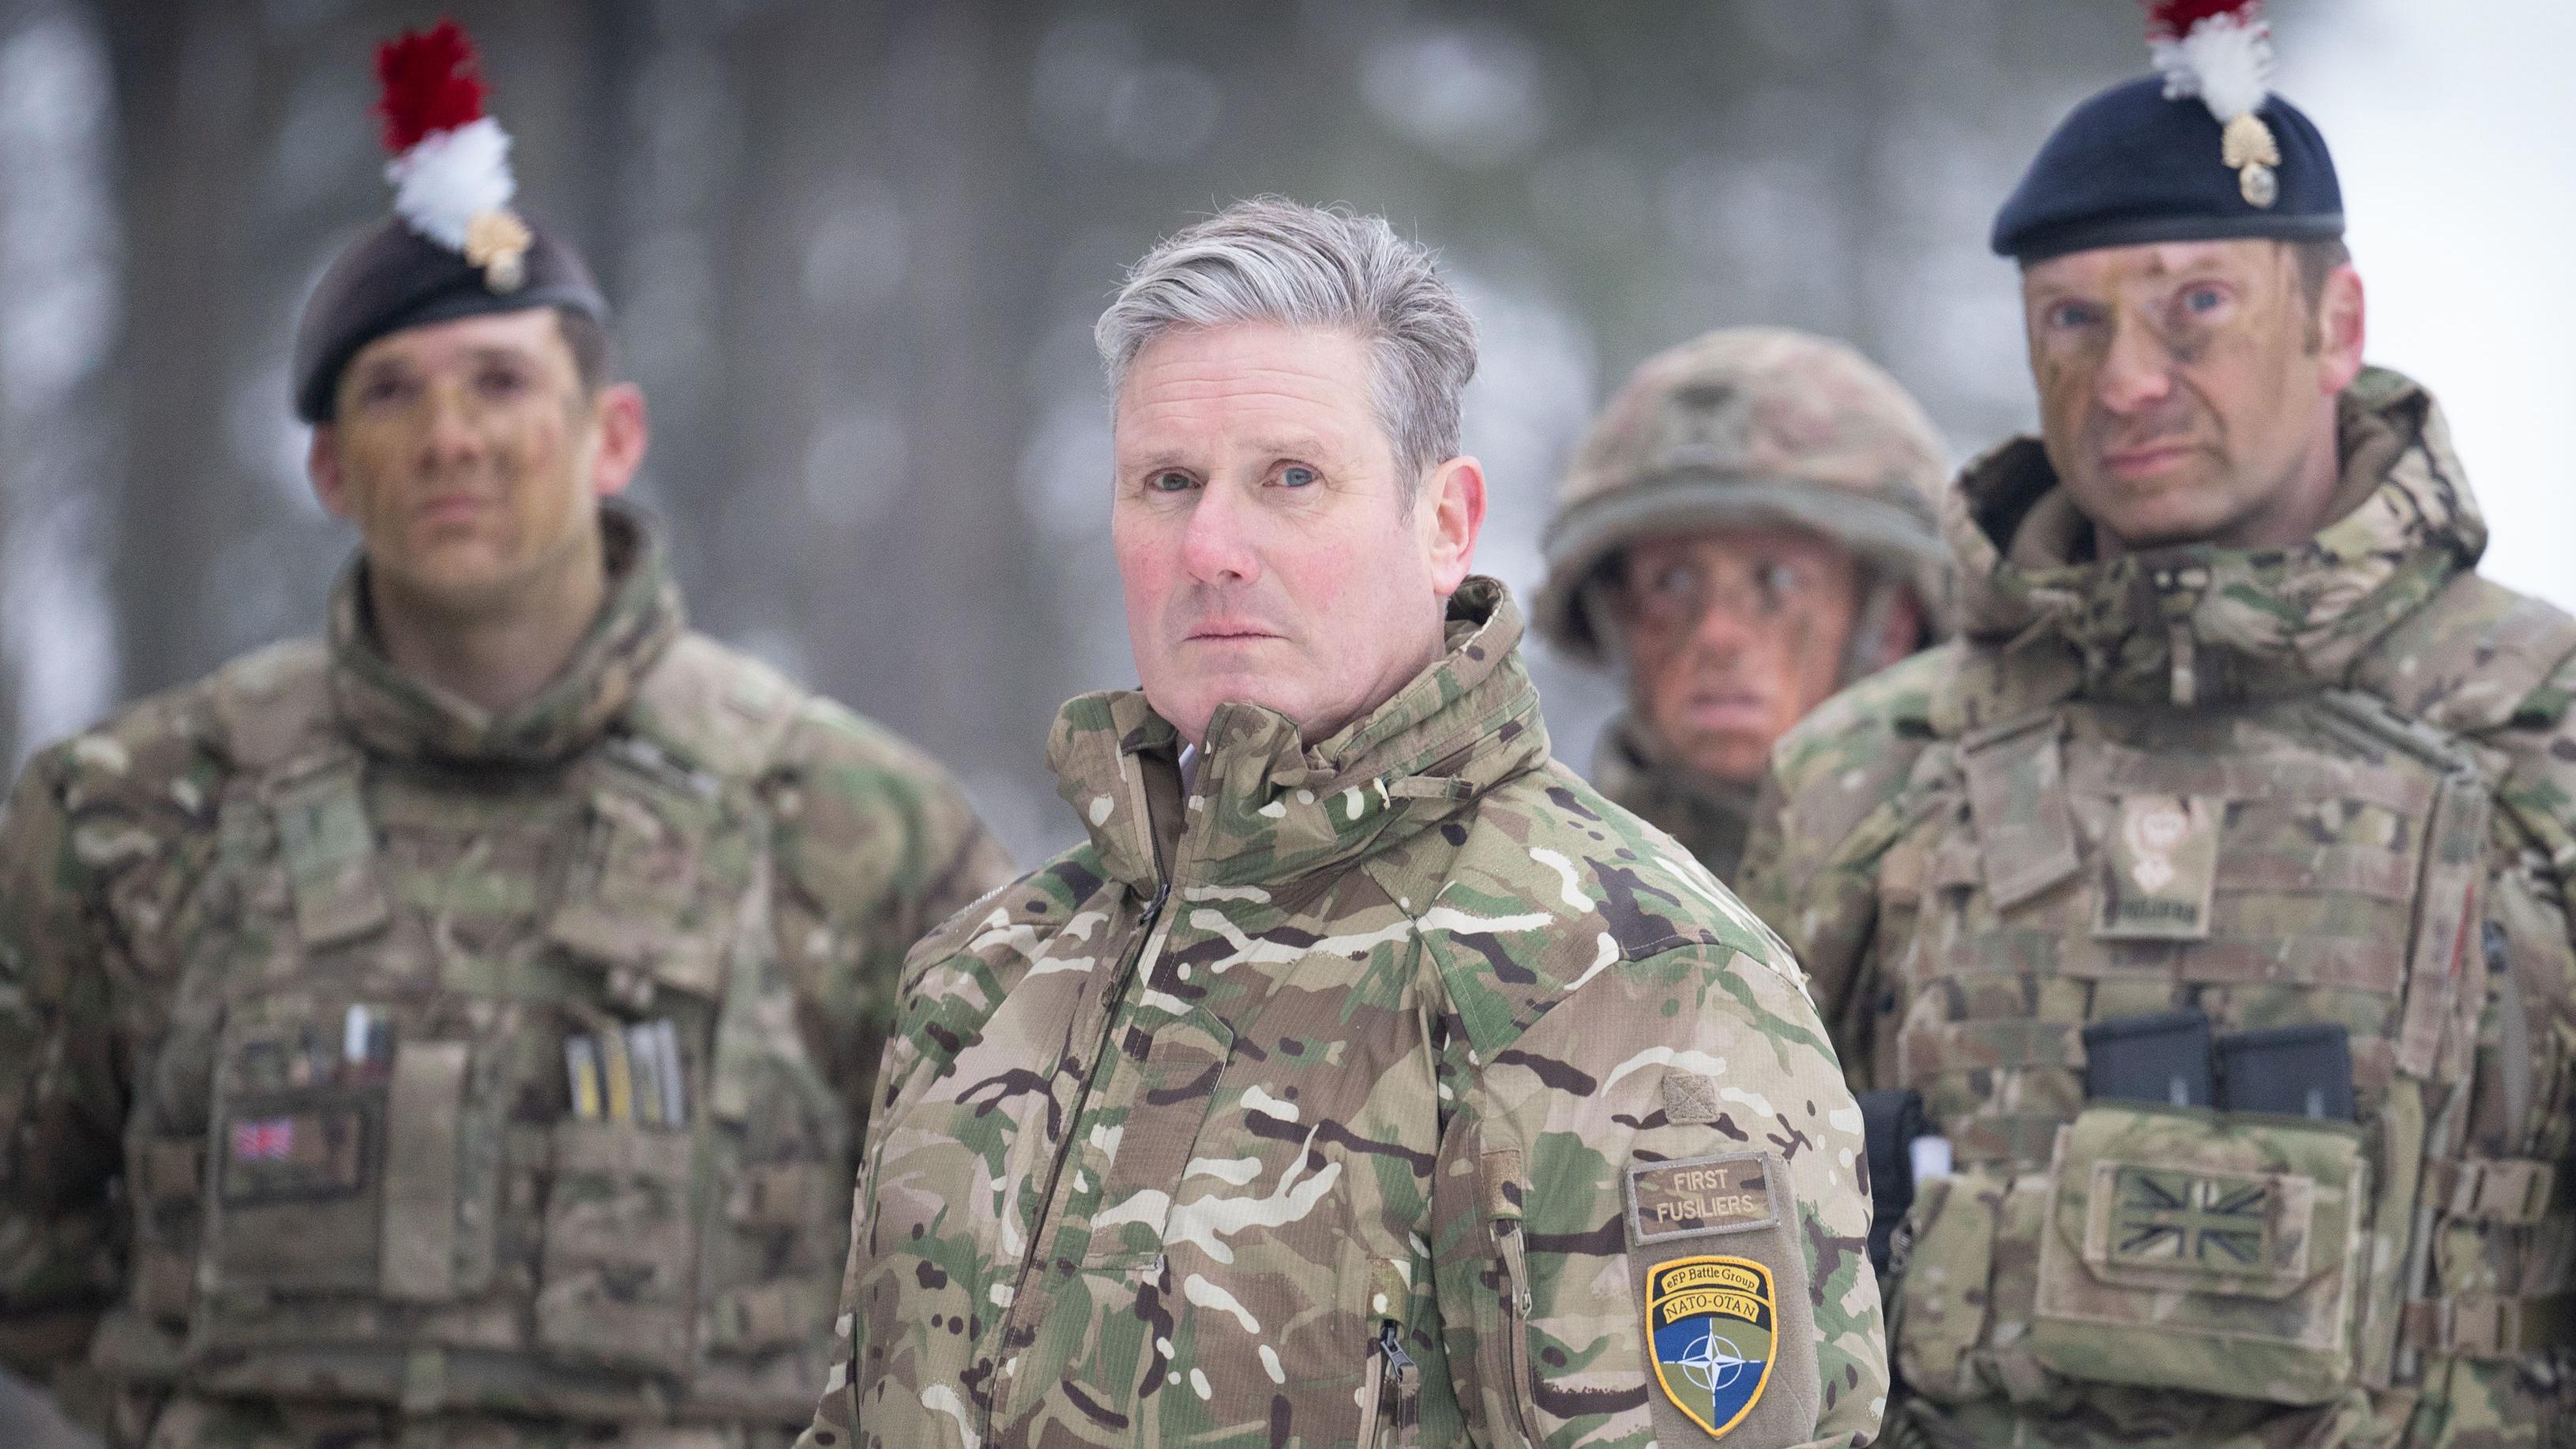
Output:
[[502, 653]]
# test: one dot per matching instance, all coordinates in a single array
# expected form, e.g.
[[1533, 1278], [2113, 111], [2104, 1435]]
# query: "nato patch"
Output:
[[1714, 1329]]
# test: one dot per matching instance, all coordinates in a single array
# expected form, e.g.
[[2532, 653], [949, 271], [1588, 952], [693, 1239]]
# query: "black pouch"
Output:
[[1890, 1121], [2295, 1071], [2162, 1057]]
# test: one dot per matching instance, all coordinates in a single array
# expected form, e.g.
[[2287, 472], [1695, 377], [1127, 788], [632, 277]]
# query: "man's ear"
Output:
[[625, 432], [2340, 329], [322, 465], [1453, 498]]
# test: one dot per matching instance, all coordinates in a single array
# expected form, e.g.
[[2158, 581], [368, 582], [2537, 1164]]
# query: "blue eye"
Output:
[[1170, 480], [2203, 299], [1296, 475], [2073, 314]]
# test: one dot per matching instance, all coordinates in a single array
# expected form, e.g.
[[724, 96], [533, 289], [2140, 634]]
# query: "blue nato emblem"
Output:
[[1714, 1325]]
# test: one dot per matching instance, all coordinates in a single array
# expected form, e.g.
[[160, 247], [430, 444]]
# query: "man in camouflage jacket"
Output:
[[2212, 890], [390, 1054], [1363, 1080]]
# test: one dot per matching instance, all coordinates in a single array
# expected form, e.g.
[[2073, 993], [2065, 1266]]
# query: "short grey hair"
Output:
[[1270, 259]]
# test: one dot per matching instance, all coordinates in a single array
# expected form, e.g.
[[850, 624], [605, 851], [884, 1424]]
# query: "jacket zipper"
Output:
[[1516, 1312], [1137, 965], [1388, 1392]]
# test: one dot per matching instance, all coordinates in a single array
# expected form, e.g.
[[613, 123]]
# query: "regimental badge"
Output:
[[2162, 868], [1714, 1328]]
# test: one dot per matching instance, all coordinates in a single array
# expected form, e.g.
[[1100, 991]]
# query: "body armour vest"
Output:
[[482, 1090], [2242, 999]]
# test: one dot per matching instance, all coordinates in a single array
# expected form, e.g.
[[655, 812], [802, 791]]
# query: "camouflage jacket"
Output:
[[1365, 1094], [294, 965], [1708, 816], [2329, 789]]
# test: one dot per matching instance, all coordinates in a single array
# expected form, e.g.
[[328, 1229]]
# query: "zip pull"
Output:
[[1390, 1376], [1154, 907], [1398, 1361]]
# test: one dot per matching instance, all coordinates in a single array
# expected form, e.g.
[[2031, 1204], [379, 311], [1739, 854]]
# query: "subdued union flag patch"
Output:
[[1715, 1330]]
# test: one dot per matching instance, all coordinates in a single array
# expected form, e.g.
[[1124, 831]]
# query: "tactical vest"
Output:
[[401, 1144], [2317, 858]]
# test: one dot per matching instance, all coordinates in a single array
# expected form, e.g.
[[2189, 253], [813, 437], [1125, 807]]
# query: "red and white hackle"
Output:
[[2221, 51], [451, 163]]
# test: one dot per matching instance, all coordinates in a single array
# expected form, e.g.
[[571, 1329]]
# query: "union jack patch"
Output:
[[269, 1139], [2219, 1222]]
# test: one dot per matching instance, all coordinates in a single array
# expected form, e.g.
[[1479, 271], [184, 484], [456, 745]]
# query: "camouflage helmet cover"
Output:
[[1748, 425]]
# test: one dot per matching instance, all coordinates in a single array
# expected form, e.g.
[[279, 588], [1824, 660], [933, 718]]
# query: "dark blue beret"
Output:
[[2129, 166], [391, 277]]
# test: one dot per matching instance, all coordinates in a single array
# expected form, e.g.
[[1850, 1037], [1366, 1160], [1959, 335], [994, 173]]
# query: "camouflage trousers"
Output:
[[189, 1422]]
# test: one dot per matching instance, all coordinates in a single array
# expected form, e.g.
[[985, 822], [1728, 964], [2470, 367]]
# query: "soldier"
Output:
[[1364, 1077], [2211, 892], [1747, 528], [457, 1031]]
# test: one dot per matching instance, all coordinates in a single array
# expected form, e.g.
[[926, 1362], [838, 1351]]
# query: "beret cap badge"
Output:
[[2221, 51], [497, 242]]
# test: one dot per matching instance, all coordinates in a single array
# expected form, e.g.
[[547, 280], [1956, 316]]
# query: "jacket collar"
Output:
[[1266, 809], [394, 715], [2198, 624]]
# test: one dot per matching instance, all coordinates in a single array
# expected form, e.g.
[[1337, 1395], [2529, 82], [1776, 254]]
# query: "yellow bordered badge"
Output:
[[1714, 1329]]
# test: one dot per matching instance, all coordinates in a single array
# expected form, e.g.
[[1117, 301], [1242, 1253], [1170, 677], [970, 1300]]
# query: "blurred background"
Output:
[[858, 248]]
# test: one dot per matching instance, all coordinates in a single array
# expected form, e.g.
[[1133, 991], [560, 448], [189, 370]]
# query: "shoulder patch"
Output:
[[1725, 1194], [1714, 1316], [1713, 1325]]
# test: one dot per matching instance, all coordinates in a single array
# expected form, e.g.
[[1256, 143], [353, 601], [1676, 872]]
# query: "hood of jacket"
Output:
[[2198, 624], [392, 714], [1263, 807]]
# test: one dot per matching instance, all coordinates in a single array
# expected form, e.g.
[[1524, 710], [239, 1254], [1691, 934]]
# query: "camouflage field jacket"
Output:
[[1375, 1093], [1708, 816], [304, 969], [2272, 809]]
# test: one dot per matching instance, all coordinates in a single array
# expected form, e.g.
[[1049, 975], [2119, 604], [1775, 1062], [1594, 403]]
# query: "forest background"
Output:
[[857, 249]]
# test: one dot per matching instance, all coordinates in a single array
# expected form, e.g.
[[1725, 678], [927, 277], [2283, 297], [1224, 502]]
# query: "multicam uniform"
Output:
[[1741, 427], [2323, 784], [294, 966], [1354, 1097]]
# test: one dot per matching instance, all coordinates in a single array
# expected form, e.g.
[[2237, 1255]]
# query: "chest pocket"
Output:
[[687, 1235], [353, 1133]]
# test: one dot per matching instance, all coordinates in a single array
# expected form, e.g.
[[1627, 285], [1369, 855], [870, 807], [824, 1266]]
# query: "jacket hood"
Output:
[[1265, 808], [2196, 623], [392, 714]]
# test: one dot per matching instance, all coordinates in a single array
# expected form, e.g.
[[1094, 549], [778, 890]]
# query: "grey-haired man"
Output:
[[1365, 1077]]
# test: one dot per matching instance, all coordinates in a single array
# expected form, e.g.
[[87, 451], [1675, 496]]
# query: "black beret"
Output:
[[2130, 166], [391, 277]]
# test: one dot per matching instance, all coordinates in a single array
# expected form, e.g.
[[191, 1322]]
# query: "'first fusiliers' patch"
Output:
[[1714, 1326]]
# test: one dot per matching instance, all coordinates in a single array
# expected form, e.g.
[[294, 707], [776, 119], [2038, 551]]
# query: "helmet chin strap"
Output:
[[1601, 616], [1871, 643]]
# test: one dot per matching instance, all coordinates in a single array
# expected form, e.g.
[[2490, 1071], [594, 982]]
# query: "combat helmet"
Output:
[[1748, 425]]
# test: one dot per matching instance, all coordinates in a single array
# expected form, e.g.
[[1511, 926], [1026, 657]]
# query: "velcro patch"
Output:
[[1690, 1097], [1724, 1194]]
